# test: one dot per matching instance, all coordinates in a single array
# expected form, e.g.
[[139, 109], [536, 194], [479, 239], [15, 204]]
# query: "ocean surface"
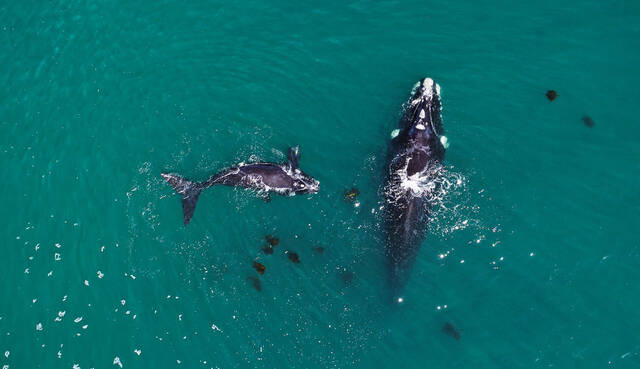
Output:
[[533, 253]]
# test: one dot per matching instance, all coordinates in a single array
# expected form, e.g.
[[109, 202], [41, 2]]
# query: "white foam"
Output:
[[422, 114], [420, 126], [444, 141], [415, 88]]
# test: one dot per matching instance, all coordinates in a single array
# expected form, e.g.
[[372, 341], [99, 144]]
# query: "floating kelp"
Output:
[[551, 95], [268, 250], [260, 268], [351, 194], [450, 330], [588, 121], [346, 277], [293, 257], [255, 281], [273, 241]]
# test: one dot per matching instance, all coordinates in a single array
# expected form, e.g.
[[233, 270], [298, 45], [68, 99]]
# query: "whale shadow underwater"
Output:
[[414, 159], [284, 179]]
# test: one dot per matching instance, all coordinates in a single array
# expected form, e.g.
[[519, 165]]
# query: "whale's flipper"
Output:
[[293, 155], [190, 192]]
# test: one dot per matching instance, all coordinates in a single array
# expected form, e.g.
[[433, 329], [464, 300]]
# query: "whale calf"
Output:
[[415, 152], [284, 179]]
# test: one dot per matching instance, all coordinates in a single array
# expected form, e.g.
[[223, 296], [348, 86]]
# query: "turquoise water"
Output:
[[533, 256]]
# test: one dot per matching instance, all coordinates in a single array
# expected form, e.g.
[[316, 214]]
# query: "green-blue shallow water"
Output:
[[533, 256]]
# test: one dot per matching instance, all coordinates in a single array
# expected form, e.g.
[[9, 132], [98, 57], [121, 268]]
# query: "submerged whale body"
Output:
[[284, 179], [415, 154]]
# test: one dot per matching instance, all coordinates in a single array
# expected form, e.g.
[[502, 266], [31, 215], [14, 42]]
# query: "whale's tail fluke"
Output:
[[190, 192]]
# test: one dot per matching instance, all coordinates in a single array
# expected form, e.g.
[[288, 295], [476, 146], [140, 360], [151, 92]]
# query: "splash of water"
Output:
[[434, 184]]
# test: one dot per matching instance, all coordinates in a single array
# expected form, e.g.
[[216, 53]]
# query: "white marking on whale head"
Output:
[[420, 126], [427, 85]]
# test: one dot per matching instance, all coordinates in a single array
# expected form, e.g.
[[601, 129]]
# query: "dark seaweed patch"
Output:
[[260, 268]]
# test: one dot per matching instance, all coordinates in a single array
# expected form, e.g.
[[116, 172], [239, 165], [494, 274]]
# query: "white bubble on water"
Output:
[[116, 361]]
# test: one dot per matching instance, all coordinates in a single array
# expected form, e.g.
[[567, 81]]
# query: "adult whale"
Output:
[[284, 179], [414, 160]]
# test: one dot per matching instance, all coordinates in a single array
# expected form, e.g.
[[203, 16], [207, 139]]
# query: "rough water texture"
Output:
[[532, 258]]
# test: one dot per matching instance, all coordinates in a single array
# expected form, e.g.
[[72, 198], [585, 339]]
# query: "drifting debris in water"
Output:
[[268, 249], [588, 121], [266, 198], [255, 282], [551, 95], [293, 257], [346, 277], [450, 330], [318, 250], [273, 241], [350, 195], [260, 268]]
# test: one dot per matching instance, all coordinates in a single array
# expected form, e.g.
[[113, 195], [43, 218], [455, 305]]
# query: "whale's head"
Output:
[[422, 118], [304, 183]]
